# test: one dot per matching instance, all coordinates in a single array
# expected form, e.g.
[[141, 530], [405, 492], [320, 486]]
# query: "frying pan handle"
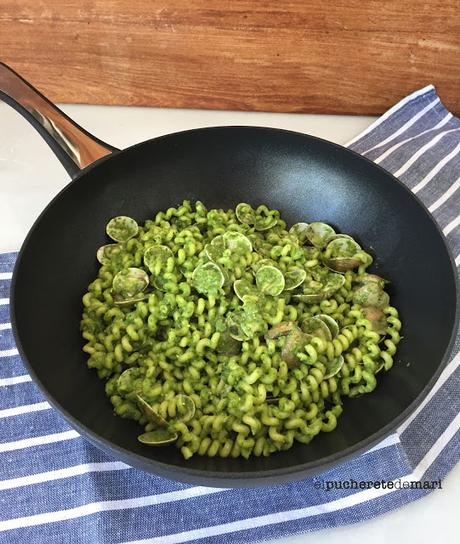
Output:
[[72, 145]]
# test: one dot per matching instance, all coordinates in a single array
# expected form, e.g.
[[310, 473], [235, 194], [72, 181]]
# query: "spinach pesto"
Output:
[[228, 334]]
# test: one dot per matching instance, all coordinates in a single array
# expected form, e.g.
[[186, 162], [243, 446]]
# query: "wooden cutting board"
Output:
[[338, 56]]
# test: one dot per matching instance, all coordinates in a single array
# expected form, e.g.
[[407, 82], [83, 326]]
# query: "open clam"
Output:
[[299, 231], [333, 282], [156, 258], [234, 325], [315, 326], [331, 323], [333, 367], [371, 294], [316, 290], [159, 437], [310, 298], [150, 413], [245, 214], [106, 253], [260, 246], [243, 287], [185, 408], [252, 323], [126, 379], [263, 262], [270, 280], [340, 254], [122, 228], [129, 301], [236, 242], [319, 233], [213, 253], [218, 241], [295, 342], [293, 278], [208, 278], [129, 283], [265, 223]]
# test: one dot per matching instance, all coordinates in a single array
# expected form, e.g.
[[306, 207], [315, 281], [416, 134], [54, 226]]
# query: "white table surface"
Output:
[[30, 176]]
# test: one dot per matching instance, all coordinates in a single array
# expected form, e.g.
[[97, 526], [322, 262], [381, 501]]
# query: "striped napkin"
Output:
[[57, 488]]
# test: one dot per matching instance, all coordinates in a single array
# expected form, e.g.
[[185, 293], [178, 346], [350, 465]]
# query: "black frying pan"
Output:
[[307, 179]]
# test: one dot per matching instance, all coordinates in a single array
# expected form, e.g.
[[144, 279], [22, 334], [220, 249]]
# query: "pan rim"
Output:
[[245, 478]]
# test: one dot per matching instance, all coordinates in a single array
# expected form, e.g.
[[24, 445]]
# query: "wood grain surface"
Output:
[[355, 56]]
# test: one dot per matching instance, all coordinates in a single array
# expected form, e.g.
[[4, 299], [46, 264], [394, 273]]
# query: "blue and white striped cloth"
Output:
[[55, 487]]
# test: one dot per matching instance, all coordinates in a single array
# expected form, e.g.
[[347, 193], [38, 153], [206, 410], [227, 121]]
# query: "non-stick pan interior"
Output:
[[306, 179]]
